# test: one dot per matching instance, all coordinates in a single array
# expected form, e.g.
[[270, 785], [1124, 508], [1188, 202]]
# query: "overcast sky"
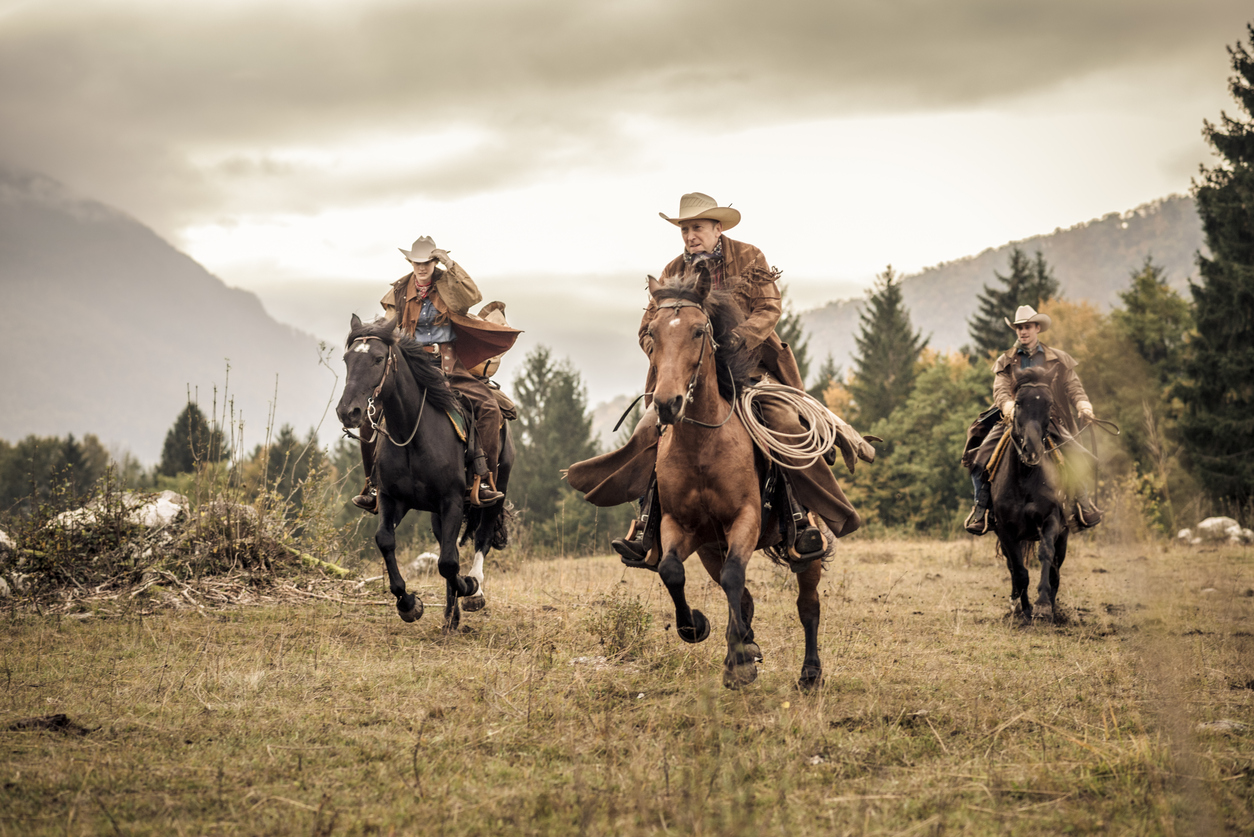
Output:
[[282, 139]]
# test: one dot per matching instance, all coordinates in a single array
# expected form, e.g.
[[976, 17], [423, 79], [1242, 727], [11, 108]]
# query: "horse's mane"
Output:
[[1035, 376], [734, 364], [426, 373]]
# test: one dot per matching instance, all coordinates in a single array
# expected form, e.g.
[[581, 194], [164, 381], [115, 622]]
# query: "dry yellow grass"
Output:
[[569, 707]]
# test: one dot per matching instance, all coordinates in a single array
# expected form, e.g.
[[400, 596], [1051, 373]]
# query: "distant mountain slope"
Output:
[[1092, 261], [106, 326]]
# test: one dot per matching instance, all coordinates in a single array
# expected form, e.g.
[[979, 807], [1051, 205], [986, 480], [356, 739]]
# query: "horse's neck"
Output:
[[402, 402]]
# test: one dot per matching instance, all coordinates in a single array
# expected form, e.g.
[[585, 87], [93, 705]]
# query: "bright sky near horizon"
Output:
[[276, 140]]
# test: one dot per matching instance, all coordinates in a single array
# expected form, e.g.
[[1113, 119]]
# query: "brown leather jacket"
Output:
[[748, 275], [477, 339], [1065, 384]]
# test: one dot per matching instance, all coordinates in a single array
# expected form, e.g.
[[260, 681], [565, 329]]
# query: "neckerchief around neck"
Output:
[[693, 259], [423, 290]]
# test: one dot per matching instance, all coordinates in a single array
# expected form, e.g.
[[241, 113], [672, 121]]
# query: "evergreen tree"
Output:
[[1030, 282], [827, 373], [791, 331], [190, 442], [1155, 319], [1218, 388], [555, 430], [888, 351]]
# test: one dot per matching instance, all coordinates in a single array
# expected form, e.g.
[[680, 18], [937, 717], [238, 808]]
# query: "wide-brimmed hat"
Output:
[[695, 205], [1027, 314], [421, 250]]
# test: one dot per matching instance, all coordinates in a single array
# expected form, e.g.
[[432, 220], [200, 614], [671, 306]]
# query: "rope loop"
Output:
[[793, 451]]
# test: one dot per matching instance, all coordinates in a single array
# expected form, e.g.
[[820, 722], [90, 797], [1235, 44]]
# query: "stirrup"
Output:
[[977, 521], [368, 499], [481, 495], [1087, 520], [810, 545]]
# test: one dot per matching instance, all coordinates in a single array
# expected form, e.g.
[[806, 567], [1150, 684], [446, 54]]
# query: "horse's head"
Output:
[[1033, 401], [683, 341], [365, 358]]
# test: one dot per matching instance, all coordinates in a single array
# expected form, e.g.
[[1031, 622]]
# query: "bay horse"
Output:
[[395, 389], [1027, 496], [708, 472]]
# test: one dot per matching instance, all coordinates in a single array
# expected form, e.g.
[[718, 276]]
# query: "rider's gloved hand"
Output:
[[1008, 409], [443, 257], [1085, 409]]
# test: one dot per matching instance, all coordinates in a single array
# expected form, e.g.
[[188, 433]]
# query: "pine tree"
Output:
[[888, 350], [1030, 282], [1218, 388], [189, 442], [1155, 319], [555, 430], [791, 331], [827, 373]]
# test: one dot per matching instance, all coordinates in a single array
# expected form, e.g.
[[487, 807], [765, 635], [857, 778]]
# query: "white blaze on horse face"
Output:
[[673, 322], [362, 347]]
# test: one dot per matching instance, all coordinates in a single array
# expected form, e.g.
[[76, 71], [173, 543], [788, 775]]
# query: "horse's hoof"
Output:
[[753, 652], [699, 631], [474, 603], [472, 584], [411, 614], [811, 678], [741, 674]]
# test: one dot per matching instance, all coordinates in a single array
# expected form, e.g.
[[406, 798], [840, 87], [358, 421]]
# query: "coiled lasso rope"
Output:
[[794, 451]]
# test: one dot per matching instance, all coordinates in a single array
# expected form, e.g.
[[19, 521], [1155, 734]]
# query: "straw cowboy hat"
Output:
[[1027, 314], [421, 250], [695, 205]]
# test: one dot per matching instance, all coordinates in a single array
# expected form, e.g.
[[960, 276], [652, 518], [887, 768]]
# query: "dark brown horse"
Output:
[[708, 473], [1027, 496]]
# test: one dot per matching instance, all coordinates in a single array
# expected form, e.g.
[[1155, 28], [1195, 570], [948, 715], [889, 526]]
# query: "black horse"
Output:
[[396, 390], [1027, 495]]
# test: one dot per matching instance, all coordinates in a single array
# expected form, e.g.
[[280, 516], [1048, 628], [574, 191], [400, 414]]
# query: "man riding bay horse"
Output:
[[989, 429], [627, 474]]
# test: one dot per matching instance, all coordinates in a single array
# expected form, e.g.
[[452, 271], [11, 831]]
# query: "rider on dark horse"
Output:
[[1069, 399], [432, 305], [627, 474]]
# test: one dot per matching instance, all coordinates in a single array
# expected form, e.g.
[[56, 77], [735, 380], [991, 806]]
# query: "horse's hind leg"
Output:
[[408, 605], [808, 610], [447, 526], [484, 521]]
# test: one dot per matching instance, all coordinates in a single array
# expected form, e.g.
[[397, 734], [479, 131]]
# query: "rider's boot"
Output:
[[1086, 514], [634, 549], [482, 495], [368, 499], [978, 520]]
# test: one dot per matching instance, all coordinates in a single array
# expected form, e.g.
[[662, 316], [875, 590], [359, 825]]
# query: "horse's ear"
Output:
[[354, 323], [704, 283], [654, 286]]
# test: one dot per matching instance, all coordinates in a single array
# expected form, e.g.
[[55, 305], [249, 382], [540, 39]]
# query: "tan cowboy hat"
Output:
[[1027, 314], [696, 205], [421, 250]]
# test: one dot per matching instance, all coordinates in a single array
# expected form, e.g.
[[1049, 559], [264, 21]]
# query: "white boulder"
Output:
[[150, 511], [1218, 529], [1185, 535], [426, 562]]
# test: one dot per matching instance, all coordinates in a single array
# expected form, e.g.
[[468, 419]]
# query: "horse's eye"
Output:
[[378, 360]]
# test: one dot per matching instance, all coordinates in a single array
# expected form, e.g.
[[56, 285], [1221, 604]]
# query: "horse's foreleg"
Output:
[[808, 610], [1012, 548], [740, 665], [408, 605], [1047, 587], [690, 624]]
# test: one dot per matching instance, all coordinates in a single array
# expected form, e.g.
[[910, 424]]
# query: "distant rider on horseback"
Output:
[[432, 305], [989, 428], [742, 269]]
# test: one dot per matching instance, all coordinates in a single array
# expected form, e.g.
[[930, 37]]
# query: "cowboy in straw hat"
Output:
[[627, 474], [1069, 398], [431, 304]]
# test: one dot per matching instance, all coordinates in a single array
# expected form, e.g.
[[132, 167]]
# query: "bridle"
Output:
[[372, 410], [1014, 428], [707, 337]]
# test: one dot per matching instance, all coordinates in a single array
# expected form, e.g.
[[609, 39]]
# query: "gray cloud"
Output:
[[120, 99]]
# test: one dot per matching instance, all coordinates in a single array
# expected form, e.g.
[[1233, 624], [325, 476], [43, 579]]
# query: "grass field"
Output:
[[569, 706]]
